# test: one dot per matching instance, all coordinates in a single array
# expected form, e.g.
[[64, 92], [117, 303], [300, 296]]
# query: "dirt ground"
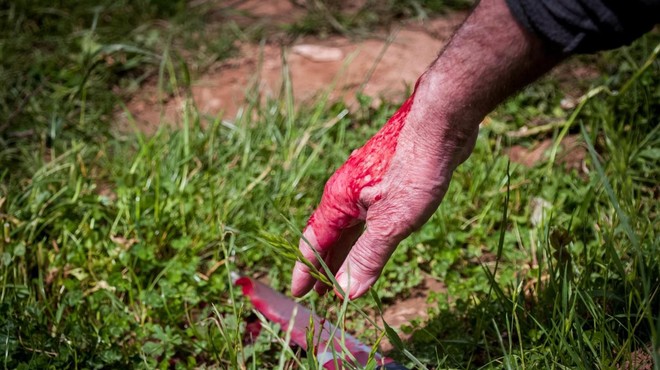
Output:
[[414, 307], [336, 65]]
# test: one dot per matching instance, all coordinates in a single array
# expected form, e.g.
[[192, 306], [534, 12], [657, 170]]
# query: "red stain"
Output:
[[340, 205], [326, 338], [275, 307], [247, 286], [252, 330]]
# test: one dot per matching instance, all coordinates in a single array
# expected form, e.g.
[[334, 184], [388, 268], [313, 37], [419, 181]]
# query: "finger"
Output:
[[364, 263], [301, 279], [320, 236], [338, 253]]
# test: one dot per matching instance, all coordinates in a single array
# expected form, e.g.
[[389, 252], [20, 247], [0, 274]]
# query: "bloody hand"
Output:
[[393, 184], [384, 191]]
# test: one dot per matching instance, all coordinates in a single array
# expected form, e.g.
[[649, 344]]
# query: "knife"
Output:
[[281, 309]]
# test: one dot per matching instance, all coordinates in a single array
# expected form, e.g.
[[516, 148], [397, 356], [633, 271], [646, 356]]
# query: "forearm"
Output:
[[489, 58]]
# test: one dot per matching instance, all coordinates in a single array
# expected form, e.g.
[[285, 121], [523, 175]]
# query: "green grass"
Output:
[[336, 17], [64, 64], [116, 250]]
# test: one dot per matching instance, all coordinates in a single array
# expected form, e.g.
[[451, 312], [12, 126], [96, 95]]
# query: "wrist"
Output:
[[489, 58], [441, 114]]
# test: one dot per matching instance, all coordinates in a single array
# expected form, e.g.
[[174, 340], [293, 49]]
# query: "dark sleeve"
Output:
[[587, 26]]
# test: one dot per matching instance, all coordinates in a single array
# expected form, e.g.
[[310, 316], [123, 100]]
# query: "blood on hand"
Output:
[[343, 207]]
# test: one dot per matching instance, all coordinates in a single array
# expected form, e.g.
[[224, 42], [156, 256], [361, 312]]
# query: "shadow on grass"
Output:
[[577, 322]]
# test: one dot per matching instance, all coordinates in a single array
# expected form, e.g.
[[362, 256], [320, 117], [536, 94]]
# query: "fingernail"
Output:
[[348, 285]]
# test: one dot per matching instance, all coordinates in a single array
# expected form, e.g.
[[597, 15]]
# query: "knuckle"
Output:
[[306, 250], [368, 261], [393, 223], [337, 181], [334, 191], [330, 186], [397, 229]]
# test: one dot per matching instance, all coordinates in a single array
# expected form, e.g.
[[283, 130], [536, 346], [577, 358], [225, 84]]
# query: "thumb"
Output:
[[364, 263]]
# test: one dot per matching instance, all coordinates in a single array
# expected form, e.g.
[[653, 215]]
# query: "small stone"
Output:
[[567, 103], [318, 53], [540, 208]]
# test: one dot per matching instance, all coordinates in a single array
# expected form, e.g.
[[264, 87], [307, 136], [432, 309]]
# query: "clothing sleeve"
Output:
[[587, 26]]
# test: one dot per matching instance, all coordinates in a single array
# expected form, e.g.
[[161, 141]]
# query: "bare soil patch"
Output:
[[276, 12], [336, 65], [640, 359], [571, 153], [414, 307]]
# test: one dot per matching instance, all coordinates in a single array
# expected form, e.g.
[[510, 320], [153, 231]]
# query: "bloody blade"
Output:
[[328, 339]]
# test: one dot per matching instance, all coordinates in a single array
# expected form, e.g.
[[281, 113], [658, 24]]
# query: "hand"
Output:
[[393, 184], [384, 191]]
